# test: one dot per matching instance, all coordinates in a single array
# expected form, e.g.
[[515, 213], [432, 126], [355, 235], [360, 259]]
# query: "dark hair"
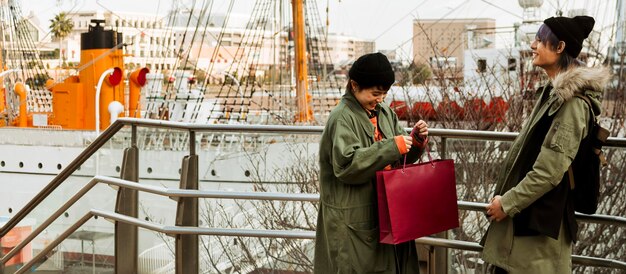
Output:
[[547, 37], [381, 87]]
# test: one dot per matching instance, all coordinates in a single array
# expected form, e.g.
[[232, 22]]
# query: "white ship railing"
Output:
[[153, 259], [191, 195]]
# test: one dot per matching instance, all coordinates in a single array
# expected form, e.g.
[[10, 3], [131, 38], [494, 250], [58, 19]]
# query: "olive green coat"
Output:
[[541, 254], [347, 225]]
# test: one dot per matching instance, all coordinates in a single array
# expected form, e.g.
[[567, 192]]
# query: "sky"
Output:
[[387, 22]]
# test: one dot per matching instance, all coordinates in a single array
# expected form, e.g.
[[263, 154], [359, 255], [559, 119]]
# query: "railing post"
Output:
[[126, 239], [1, 264], [440, 254], [187, 213]]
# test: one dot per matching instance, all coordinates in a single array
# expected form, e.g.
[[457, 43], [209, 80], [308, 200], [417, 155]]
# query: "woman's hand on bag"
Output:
[[494, 209], [421, 128]]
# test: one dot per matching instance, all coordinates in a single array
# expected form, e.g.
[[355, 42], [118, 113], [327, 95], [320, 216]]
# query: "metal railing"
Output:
[[178, 230], [195, 194], [134, 122], [180, 193]]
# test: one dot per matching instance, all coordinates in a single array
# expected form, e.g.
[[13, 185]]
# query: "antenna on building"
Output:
[[531, 21], [617, 53], [620, 41], [532, 10]]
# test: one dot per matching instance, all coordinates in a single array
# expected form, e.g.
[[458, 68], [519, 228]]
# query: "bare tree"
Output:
[[266, 255]]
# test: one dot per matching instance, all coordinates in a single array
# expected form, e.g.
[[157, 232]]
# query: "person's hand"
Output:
[[408, 141], [421, 128], [494, 209]]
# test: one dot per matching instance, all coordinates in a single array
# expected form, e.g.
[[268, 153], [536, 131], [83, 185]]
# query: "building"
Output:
[[147, 41], [160, 43], [344, 49], [441, 43]]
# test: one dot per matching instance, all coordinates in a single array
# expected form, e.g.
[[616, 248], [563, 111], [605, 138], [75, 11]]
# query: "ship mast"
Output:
[[304, 113], [620, 40]]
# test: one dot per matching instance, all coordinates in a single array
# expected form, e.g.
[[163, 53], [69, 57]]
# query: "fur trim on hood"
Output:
[[581, 79]]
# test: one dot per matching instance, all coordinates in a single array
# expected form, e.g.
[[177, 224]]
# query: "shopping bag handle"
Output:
[[430, 159]]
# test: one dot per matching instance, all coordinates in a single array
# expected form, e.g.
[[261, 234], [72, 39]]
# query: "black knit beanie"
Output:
[[572, 31], [372, 70]]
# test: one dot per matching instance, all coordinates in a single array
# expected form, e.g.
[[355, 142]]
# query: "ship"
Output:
[[66, 111], [47, 122]]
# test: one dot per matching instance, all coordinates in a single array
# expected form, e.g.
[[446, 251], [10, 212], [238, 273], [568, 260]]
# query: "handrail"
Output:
[[444, 133], [169, 230], [472, 246], [179, 193], [182, 230], [64, 174], [594, 218], [221, 127]]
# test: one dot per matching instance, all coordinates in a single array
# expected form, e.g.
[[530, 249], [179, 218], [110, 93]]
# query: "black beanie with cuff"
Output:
[[572, 31], [372, 70]]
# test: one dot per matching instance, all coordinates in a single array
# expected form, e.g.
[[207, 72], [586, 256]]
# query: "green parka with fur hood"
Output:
[[520, 187]]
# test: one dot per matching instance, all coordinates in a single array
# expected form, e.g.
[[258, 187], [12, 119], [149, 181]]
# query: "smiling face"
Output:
[[544, 56], [548, 51], [368, 97]]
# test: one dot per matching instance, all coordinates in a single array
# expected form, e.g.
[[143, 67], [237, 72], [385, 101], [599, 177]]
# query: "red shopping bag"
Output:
[[416, 200]]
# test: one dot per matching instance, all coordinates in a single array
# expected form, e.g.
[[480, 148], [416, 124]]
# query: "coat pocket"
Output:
[[560, 138], [366, 254]]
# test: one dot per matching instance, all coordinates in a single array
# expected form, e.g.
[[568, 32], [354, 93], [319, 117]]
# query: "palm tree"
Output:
[[61, 26]]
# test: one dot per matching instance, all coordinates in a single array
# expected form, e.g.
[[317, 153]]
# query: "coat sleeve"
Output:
[[354, 164], [558, 150], [415, 152]]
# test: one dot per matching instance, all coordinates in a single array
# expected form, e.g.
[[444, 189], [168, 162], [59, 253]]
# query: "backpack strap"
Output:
[[586, 99], [570, 174], [592, 121], [601, 133]]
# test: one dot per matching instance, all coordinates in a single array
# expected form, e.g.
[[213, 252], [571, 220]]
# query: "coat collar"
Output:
[[589, 81], [580, 79], [361, 114]]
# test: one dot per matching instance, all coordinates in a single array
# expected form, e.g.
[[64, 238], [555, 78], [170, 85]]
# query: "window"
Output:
[[482, 65], [512, 64]]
